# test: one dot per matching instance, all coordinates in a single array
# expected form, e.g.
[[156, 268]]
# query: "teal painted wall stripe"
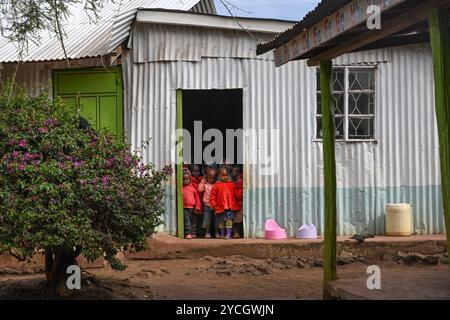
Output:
[[359, 209]]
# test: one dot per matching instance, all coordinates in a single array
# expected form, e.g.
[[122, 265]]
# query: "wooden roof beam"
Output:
[[401, 22]]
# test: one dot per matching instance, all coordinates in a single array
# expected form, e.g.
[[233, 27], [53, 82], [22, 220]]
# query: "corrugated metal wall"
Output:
[[401, 166], [37, 76], [178, 43], [34, 76]]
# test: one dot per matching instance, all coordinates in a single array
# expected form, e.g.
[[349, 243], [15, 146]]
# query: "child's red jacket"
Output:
[[195, 182], [191, 198], [223, 197]]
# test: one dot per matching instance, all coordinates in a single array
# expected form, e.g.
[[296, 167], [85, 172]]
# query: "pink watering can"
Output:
[[307, 231], [272, 231]]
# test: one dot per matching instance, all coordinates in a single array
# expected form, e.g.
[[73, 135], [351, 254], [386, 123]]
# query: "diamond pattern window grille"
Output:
[[354, 103]]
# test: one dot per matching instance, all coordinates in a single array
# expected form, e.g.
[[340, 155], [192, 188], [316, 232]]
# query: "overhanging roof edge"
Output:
[[175, 17]]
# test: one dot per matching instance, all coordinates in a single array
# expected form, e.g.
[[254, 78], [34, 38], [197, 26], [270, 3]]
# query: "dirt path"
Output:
[[229, 278]]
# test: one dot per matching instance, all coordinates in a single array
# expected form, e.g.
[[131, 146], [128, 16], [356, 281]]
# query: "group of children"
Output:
[[213, 201]]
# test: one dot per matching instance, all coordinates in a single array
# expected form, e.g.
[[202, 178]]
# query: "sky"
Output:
[[280, 9]]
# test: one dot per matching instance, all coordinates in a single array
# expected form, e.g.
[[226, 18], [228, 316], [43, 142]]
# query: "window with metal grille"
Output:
[[353, 103]]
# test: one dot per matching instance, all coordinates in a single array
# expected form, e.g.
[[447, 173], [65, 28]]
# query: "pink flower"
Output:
[[22, 143], [105, 180], [15, 154], [127, 160], [22, 167], [43, 130], [51, 122], [12, 142], [168, 170], [109, 163], [27, 156]]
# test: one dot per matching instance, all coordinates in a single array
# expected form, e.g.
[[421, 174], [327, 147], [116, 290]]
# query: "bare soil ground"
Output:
[[229, 278]]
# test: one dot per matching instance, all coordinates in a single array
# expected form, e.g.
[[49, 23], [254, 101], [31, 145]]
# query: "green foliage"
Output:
[[62, 186]]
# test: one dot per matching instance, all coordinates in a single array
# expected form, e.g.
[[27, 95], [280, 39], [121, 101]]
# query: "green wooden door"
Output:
[[96, 94]]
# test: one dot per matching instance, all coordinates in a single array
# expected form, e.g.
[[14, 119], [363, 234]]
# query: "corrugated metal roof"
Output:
[[206, 6], [212, 21], [86, 38], [323, 9]]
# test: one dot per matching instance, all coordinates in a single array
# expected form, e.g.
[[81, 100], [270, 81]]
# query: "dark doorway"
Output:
[[221, 111], [216, 109]]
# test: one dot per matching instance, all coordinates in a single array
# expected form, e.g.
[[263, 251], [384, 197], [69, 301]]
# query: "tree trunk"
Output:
[[56, 264]]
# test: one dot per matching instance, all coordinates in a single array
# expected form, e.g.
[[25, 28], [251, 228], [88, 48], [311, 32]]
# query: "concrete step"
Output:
[[163, 246], [423, 284]]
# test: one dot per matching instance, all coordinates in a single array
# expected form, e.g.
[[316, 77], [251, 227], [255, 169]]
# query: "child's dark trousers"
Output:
[[189, 221]]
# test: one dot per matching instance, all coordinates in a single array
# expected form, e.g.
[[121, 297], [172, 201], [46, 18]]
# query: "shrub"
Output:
[[68, 189]]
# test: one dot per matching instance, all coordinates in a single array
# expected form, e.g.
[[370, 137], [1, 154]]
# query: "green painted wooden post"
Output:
[[440, 44], [179, 164], [329, 246]]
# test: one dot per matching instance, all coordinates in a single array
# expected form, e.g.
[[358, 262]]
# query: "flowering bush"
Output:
[[68, 189]]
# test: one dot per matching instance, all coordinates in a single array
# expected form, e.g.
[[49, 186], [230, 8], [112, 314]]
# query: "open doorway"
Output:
[[213, 138]]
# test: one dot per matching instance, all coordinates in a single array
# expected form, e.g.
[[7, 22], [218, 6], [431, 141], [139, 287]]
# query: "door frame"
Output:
[[179, 163], [179, 158]]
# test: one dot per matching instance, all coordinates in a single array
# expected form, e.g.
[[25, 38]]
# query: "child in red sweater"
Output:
[[191, 203], [224, 204], [196, 175], [205, 187], [236, 175], [196, 178]]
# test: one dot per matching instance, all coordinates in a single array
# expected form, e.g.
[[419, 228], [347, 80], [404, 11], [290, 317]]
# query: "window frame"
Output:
[[346, 114]]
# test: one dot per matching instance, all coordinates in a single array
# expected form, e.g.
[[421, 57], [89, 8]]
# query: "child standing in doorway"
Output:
[[191, 203], [224, 204], [236, 175], [196, 172], [196, 178], [205, 187]]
